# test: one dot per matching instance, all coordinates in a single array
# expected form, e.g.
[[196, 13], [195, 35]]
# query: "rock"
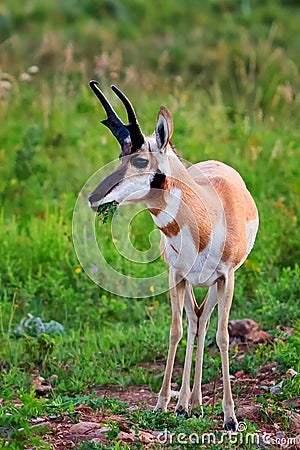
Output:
[[85, 428], [127, 437], [240, 328], [239, 373], [146, 437], [38, 420], [249, 411], [247, 330]]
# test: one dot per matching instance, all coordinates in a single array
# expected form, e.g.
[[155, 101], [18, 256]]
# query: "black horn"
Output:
[[113, 122], [133, 126]]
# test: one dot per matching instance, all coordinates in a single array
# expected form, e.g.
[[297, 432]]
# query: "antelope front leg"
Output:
[[204, 314], [182, 407], [225, 293], [177, 301]]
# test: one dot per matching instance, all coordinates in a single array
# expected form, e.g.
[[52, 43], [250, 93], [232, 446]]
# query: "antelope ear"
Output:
[[164, 128]]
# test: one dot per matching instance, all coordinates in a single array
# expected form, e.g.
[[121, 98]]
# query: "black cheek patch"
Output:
[[158, 180]]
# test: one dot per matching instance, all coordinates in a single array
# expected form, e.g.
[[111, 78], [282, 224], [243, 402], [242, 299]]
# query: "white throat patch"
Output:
[[170, 212]]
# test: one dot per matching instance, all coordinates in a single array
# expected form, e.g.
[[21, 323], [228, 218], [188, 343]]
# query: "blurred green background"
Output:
[[229, 73]]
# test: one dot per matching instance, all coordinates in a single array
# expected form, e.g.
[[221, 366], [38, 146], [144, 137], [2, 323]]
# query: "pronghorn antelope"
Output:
[[208, 223]]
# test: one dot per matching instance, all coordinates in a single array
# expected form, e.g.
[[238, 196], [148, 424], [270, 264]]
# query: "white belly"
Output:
[[200, 269]]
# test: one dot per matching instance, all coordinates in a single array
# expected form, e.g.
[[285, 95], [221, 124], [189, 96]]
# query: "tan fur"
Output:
[[193, 212], [170, 230], [218, 189], [238, 205]]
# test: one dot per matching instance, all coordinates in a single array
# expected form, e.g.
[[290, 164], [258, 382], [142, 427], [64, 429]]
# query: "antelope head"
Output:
[[144, 161]]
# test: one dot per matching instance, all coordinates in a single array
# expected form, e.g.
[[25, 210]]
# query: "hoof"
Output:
[[181, 412], [231, 425]]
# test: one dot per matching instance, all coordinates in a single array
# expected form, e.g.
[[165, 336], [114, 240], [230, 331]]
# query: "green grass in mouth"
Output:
[[106, 211]]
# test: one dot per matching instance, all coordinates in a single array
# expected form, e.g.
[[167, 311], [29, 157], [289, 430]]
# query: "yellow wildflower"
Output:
[[279, 205], [78, 270], [252, 266]]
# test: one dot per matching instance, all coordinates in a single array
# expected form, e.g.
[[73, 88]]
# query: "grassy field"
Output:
[[229, 73]]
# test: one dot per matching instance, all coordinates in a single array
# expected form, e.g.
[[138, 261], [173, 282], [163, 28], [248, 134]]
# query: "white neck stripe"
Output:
[[167, 216]]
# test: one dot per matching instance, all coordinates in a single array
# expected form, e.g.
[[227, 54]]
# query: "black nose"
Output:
[[92, 198]]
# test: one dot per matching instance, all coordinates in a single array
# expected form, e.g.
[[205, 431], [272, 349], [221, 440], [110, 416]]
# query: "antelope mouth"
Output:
[[94, 208], [98, 207], [99, 204]]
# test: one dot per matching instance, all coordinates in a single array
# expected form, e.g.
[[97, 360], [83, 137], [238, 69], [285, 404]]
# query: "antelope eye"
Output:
[[139, 162]]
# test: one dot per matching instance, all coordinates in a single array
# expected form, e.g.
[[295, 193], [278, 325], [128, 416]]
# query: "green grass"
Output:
[[229, 73]]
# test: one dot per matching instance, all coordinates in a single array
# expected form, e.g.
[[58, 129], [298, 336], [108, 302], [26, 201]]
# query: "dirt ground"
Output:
[[92, 425]]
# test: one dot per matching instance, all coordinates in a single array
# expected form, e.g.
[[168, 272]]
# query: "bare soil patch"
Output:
[[94, 425]]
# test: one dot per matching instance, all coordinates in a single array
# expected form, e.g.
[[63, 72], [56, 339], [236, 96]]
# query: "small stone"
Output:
[[146, 437], [239, 328], [84, 427], [38, 420], [239, 373], [127, 437], [99, 440], [247, 330], [133, 408]]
